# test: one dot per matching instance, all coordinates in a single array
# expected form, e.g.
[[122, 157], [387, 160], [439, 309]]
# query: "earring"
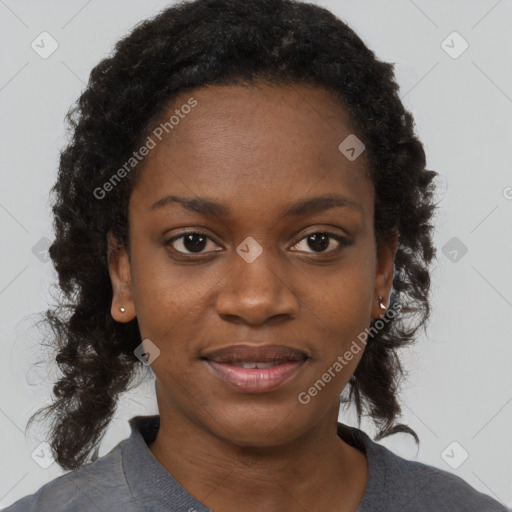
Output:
[[122, 310], [381, 303]]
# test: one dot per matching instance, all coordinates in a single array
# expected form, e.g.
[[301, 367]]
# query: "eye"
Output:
[[192, 241], [320, 241]]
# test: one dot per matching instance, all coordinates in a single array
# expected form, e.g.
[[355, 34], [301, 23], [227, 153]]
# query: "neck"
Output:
[[227, 477]]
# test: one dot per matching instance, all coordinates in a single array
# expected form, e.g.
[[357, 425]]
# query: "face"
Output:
[[252, 300]]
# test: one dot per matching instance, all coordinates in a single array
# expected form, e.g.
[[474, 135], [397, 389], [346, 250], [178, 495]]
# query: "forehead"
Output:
[[249, 145]]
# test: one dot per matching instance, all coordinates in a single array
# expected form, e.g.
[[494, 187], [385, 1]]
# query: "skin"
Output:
[[256, 150]]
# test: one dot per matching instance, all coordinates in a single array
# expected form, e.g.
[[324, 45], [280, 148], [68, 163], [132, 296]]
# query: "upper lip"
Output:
[[252, 353]]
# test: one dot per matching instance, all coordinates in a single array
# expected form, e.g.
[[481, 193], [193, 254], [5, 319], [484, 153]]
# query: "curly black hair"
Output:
[[185, 46]]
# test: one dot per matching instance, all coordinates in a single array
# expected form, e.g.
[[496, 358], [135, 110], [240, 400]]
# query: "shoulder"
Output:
[[415, 486], [395, 483], [100, 485]]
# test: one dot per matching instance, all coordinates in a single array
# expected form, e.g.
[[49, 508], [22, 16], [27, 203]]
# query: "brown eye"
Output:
[[189, 243], [320, 241]]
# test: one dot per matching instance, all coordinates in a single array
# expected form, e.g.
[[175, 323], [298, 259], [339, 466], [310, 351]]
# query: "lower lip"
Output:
[[255, 380]]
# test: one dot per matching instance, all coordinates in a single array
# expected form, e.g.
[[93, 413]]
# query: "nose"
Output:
[[258, 291]]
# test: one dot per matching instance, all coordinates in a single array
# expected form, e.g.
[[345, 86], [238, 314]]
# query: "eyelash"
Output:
[[343, 242]]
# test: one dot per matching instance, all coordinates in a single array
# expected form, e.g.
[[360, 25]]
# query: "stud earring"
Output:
[[122, 310], [381, 303]]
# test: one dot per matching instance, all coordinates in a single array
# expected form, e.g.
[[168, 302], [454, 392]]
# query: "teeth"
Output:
[[257, 364], [268, 364]]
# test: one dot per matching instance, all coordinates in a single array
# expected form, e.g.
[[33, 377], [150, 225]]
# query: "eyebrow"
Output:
[[304, 207]]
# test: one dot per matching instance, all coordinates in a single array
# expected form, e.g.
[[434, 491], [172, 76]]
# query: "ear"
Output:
[[120, 277], [386, 251]]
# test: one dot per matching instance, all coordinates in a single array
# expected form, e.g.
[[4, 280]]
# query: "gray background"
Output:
[[460, 384]]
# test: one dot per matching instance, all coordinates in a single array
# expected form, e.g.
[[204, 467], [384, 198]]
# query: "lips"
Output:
[[253, 354], [255, 369]]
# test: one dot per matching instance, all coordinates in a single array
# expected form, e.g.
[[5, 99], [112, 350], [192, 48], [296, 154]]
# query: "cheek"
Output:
[[340, 317], [161, 293], [343, 300], [340, 312], [173, 303]]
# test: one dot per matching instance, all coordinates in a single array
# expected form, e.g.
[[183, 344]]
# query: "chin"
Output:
[[259, 427]]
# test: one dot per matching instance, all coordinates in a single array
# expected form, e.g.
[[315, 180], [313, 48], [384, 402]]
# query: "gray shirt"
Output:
[[130, 479]]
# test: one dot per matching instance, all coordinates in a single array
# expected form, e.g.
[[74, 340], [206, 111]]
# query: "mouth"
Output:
[[255, 369]]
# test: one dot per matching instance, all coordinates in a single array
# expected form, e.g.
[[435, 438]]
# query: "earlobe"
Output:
[[382, 305], [122, 308], [384, 274]]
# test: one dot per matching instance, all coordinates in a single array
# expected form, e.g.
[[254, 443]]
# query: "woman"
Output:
[[243, 211]]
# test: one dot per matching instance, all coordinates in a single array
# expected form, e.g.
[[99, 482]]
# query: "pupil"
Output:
[[324, 244], [194, 246]]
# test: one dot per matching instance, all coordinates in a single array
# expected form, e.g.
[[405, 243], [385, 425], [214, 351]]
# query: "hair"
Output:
[[187, 46]]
